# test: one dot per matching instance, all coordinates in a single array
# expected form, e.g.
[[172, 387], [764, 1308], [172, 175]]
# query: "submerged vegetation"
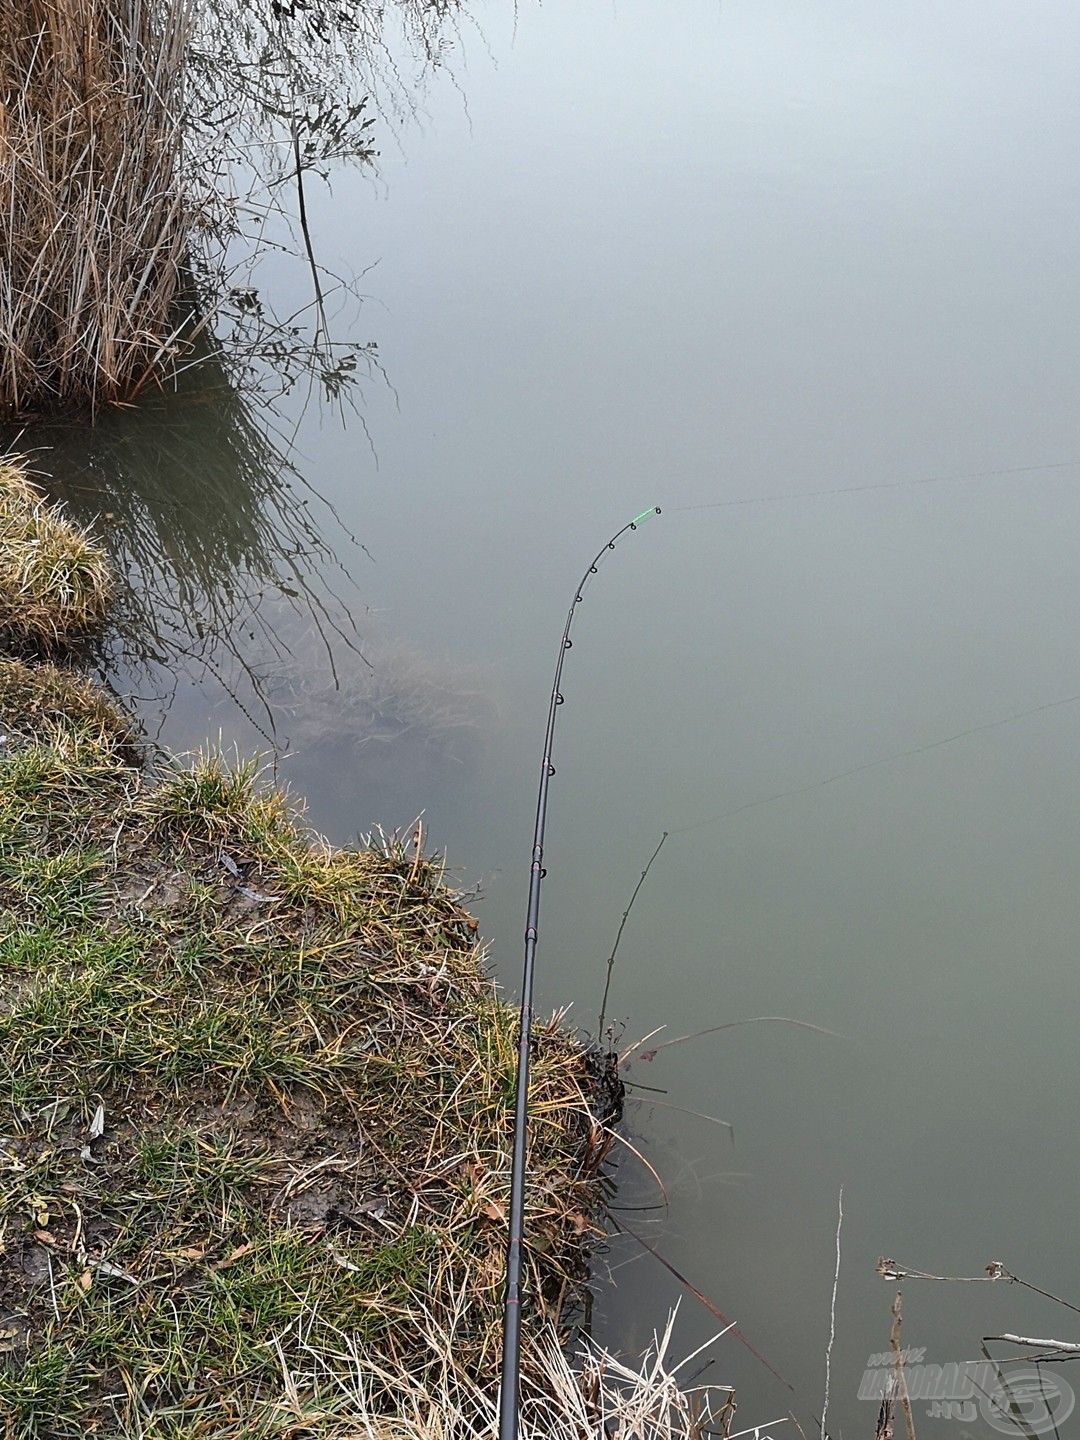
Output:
[[207, 523], [388, 706]]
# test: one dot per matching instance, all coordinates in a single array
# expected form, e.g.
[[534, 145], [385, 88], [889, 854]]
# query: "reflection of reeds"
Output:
[[94, 224], [202, 518], [258, 66]]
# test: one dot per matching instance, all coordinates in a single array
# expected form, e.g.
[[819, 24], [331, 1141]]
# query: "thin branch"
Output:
[[682, 1109], [715, 1030], [622, 926], [832, 1314], [1066, 1347], [901, 1377], [703, 1299]]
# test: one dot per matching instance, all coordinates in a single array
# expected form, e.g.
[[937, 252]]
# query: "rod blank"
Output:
[[510, 1379]]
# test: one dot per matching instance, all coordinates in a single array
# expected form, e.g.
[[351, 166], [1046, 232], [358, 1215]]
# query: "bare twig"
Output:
[[704, 1300], [901, 1378], [832, 1314], [683, 1110], [996, 1270], [716, 1029], [1064, 1347], [622, 926]]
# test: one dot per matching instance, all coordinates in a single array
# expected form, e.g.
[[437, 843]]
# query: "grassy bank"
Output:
[[256, 1100], [255, 1090], [55, 583]]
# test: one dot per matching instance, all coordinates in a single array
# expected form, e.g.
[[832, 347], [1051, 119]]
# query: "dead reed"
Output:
[[95, 224], [593, 1396]]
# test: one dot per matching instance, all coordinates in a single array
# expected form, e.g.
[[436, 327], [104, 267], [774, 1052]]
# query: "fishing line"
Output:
[[967, 478], [798, 790], [876, 764], [510, 1369]]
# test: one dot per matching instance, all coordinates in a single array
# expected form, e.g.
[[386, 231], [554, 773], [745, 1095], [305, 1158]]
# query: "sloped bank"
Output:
[[255, 1096], [255, 1089], [256, 1101]]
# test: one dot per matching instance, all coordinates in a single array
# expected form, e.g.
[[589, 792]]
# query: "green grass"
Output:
[[304, 1078]]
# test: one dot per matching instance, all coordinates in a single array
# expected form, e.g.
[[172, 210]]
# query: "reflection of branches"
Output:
[[252, 64], [203, 517]]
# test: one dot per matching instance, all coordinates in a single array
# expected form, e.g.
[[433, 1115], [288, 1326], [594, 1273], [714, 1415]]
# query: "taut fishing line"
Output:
[[969, 477], [511, 1349]]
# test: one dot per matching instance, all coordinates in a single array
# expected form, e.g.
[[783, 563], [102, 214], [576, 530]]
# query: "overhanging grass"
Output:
[[303, 1079], [55, 582]]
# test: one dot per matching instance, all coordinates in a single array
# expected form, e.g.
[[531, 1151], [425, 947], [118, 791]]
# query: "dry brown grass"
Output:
[[54, 579], [41, 697], [94, 222], [595, 1396]]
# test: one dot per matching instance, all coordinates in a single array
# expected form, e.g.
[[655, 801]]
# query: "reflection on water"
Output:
[[208, 524], [279, 100]]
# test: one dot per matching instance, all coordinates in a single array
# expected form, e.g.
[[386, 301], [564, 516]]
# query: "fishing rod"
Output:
[[510, 1370]]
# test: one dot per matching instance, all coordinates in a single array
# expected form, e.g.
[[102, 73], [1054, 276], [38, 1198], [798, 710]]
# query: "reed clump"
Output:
[[55, 582], [256, 1095], [95, 220], [594, 1395]]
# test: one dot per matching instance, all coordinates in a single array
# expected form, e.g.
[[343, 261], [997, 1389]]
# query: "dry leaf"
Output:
[[345, 1264], [233, 1256], [189, 1252]]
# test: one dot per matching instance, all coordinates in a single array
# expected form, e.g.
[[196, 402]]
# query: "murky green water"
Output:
[[688, 255]]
